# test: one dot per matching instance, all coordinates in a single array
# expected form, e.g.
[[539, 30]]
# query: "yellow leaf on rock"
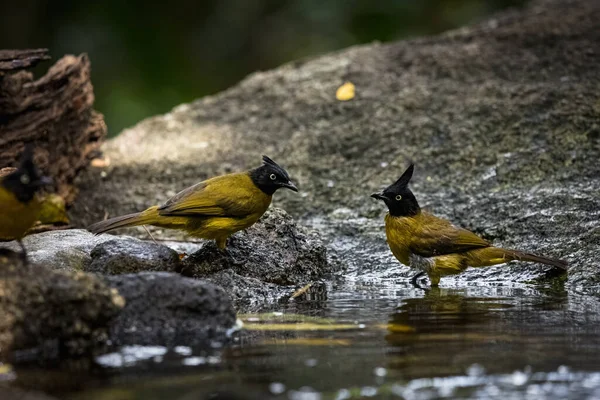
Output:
[[301, 291], [345, 92]]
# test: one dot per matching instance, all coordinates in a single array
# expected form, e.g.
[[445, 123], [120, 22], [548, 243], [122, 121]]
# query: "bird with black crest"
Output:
[[213, 209], [20, 200], [433, 245]]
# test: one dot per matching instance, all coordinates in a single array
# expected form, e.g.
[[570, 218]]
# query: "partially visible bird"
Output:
[[20, 203], [215, 208], [433, 245]]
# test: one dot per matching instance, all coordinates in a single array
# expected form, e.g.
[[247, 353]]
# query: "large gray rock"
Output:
[[123, 256], [67, 250], [274, 250], [79, 250], [501, 119], [168, 309], [50, 314], [265, 262]]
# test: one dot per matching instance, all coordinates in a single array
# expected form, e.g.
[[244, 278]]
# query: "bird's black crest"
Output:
[[275, 166], [404, 179], [270, 176], [26, 180], [398, 197]]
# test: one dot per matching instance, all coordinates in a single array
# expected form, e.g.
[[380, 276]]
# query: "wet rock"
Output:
[[49, 314], [500, 118], [169, 309], [274, 252], [67, 250], [123, 256], [247, 292]]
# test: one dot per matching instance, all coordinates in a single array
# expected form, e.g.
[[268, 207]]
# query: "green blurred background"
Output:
[[148, 58]]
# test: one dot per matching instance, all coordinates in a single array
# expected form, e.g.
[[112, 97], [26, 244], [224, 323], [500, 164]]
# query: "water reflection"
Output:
[[374, 339]]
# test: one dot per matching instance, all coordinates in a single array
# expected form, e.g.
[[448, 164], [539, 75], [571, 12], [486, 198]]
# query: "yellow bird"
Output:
[[213, 209], [433, 245], [20, 204]]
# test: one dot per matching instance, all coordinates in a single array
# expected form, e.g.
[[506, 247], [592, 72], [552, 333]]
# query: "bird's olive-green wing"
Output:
[[439, 237], [224, 196]]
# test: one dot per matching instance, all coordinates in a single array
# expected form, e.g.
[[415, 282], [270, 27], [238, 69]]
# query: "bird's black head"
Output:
[[26, 181], [401, 202], [270, 176]]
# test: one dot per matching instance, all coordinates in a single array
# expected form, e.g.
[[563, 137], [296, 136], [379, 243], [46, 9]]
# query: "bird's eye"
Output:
[[398, 197], [25, 179], [273, 177]]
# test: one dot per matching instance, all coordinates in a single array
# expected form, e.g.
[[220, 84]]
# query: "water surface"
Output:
[[366, 338]]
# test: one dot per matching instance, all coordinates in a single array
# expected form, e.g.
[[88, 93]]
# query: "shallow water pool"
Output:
[[367, 339]]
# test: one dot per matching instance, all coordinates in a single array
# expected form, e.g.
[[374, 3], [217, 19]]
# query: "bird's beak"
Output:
[[290, 185], [45, 181], [378, 196]]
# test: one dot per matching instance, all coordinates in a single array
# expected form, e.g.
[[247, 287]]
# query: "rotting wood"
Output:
[[12, 60], [55, 113]]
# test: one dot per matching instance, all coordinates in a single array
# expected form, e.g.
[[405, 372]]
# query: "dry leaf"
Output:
[[100, 162], [301, 291], [345, 92]]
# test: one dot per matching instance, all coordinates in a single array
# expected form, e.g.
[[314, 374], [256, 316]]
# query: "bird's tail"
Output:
[[495, 255], [147, 217]]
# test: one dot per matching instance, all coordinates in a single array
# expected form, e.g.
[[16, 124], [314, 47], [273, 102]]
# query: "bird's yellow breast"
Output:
[[16, 217], [399, 231], [249, 205]]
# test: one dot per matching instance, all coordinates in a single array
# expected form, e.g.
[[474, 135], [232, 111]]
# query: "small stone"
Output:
[[167, 309], [276, 387], [311, 362], [122, 256]]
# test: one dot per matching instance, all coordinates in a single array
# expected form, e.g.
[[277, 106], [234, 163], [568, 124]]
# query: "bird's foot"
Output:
[[24, 259], [415, 280]]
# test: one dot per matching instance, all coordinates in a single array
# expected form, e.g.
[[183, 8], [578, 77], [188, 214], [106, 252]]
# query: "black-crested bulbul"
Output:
[[20, 203], [215, 208], [433, 245]]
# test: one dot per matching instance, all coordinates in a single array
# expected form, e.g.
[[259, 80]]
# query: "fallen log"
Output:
[[55, 113]]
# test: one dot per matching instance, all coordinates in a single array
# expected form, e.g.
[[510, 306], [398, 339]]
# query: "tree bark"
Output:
[[55, 113]]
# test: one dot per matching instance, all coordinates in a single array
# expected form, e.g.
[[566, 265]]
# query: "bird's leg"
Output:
[[150, 234], [423, 264], [23, 253], [222, 245]]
